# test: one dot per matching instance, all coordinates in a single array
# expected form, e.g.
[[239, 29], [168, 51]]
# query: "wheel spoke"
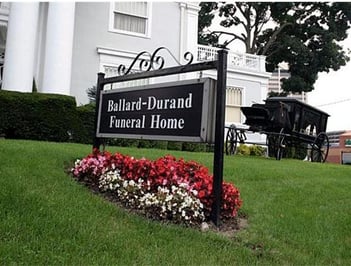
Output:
[[280, 144], [320, 148], [231, 141]]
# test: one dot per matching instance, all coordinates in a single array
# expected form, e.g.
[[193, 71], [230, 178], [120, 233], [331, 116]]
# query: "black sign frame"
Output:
[[132, 112]]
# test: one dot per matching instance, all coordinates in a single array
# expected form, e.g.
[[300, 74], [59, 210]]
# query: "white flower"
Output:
[[163, 208], [169, 198], [177, 200]]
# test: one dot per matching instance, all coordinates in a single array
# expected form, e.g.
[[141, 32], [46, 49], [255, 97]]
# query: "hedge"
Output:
[[85, 131], [37, 116]]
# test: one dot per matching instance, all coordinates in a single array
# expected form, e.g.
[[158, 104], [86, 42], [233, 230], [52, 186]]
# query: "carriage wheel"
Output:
[[231, 141], [320, 148], [280, 145], [271, 140], [276, 145]]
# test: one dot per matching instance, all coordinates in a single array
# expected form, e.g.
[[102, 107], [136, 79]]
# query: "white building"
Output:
[[63, 45]]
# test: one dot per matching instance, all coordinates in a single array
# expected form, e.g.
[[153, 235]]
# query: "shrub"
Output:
[[175, 145], [243, 149], [122, 142], [253, 150], [160, 144], [84, 133], [194, 147], [257, 150], [210, 147], [145, 144], [166, 188], [296, 151], [37, 116]]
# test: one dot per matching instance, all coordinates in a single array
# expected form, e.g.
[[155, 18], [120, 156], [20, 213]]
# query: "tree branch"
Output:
[[274, 37], [236, 36], [241, 10], [260, 21]]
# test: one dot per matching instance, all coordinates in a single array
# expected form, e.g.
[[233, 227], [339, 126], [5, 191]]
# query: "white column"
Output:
[[190, 27], [58, 48], [20, 47], [182, 36], [262, 60], [192, 10]]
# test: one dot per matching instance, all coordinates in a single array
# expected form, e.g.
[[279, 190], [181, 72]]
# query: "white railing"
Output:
[[4, 8], [112, 71], [235, 60]]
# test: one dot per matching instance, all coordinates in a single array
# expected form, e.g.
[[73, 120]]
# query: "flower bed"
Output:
[[166, 189]]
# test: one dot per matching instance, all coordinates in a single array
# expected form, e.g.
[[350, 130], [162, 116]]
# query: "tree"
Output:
[[303, 34], [206, 16], [91, 92]]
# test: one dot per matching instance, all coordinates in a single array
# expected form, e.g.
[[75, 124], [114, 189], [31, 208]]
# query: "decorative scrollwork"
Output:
[[152, 61], [188, 57], [144, 63]]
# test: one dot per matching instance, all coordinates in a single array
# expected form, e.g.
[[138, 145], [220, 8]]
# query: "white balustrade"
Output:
[[112, 71], [4, 7], [235, 60]]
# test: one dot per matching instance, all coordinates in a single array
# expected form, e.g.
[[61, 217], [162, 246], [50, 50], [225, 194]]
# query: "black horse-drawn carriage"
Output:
[[287, 122]]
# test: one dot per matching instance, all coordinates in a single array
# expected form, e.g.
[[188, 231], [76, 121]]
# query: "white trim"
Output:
[[130, 33], [115, 52], [243, 98], [109, 57], [182, 30], [193, 7]]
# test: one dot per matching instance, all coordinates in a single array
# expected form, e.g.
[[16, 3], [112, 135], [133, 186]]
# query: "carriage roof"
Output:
[[293, 101]]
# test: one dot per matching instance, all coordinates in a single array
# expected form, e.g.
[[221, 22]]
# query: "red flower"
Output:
[[165, 171], [201, 194]]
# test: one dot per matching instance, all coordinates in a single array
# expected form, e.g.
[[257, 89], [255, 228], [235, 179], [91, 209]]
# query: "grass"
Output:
[[298, 214]]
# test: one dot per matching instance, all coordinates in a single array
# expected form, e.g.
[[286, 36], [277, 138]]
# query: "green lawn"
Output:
[[299, 213]]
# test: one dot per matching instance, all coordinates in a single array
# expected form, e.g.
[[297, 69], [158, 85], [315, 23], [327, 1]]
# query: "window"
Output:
[[234, 96], [112, 71], [233, 104], [131, 18]]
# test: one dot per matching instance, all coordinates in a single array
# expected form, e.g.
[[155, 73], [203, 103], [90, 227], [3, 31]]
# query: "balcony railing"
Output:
[[4, 8], [235, 60]]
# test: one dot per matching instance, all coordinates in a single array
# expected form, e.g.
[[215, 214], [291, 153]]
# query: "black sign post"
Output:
[[99, 89], [219, 135], [153, 67]]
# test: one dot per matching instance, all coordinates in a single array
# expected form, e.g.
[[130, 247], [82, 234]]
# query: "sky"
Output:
[[332, 94]]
